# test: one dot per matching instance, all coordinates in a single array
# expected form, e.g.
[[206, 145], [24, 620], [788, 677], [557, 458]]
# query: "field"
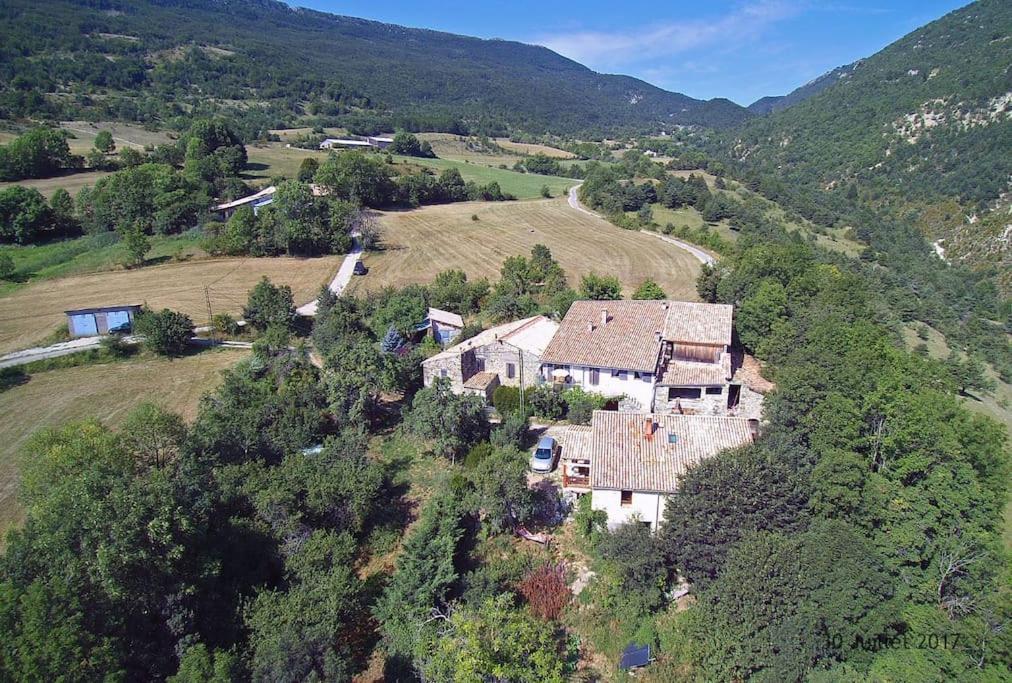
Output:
[[530, 148], [30, 313], [272, 160], [89, 254], [267, 161], [421, 243], [106, 392], [522, 185]]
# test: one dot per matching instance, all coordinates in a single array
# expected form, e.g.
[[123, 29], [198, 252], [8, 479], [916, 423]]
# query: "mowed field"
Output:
[[531, 148], [30, 313], [106, 392], [420, 243]]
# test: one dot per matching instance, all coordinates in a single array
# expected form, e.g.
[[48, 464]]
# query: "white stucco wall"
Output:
[[640, 390], [648, 507]]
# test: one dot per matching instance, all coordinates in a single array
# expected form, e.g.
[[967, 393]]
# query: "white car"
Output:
[[543, 457]]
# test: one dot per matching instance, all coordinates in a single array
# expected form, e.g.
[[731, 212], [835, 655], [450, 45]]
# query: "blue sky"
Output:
[[741, 49]]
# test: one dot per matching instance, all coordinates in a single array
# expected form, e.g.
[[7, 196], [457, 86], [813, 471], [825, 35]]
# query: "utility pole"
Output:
[[520, 356], [210, 316]]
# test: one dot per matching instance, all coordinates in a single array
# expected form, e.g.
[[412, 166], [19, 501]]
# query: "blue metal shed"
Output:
[[90, 322]]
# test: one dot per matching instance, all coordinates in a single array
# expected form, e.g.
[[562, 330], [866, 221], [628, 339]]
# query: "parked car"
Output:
[[543, 457], [360, 268]]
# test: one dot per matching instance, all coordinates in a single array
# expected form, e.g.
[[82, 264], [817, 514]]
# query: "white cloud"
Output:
[[607, 49]]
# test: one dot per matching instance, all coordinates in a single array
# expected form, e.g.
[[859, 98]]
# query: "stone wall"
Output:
[[461, 367], [706, 404], [497, 355], [431, 369]]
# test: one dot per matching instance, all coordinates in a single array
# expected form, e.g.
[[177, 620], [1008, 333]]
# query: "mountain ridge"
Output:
[[374, 66]]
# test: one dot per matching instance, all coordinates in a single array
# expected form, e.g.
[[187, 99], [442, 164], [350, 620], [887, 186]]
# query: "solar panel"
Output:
[[635, 656]]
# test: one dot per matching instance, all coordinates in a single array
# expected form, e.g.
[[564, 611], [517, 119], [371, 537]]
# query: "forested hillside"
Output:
[[765, 105], [920, 132], [142, 60]]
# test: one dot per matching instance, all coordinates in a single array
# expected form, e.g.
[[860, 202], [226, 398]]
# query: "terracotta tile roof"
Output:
[[623, 457], [529, 334], [686, 373], [481, 380], [699, 323], [628, 339], [445, 317]]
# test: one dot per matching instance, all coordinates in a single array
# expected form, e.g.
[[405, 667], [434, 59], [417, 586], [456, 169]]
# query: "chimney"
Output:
[[648, 427], [604, 317], [590, 326], [657, 336]]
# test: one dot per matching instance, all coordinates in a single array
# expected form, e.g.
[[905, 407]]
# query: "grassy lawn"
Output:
[[421, 243], [33, 311], [266, 161], [89, 254], [106, 392]]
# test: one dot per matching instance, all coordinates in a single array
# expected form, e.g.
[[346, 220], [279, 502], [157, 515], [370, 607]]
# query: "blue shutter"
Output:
[[84, 325], [118, 321]]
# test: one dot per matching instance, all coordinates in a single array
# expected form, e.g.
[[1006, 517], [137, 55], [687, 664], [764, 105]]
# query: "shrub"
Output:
[[590, 524], [580, 405], [6, 267], [548, 403], [510, 433], [224, 325], [115, 346], [546, 591], [165, 332], [477, 454], [506, 400]]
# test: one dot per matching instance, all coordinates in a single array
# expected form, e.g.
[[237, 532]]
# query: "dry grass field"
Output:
[[423, 242], [30, 313], [122, 133], [529, 148], [449, 146], [106, 392], [274, 159], [71, 182]]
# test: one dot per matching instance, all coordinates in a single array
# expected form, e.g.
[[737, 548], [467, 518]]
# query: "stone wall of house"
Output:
[[706, 404], [497, 355], [434, 367], [750, 404]]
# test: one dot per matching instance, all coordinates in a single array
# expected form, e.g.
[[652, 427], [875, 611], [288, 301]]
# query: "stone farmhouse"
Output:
[[504, 355], [660, 356], [635, 459]]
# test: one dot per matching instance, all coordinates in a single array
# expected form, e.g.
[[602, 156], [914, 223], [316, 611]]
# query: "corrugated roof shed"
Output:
[[696, 323], [609, 334], [262, 194], [627, 455], [445, 317]]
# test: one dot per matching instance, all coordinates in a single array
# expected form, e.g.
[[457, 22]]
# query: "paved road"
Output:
[[702, 256], [341, 280]]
